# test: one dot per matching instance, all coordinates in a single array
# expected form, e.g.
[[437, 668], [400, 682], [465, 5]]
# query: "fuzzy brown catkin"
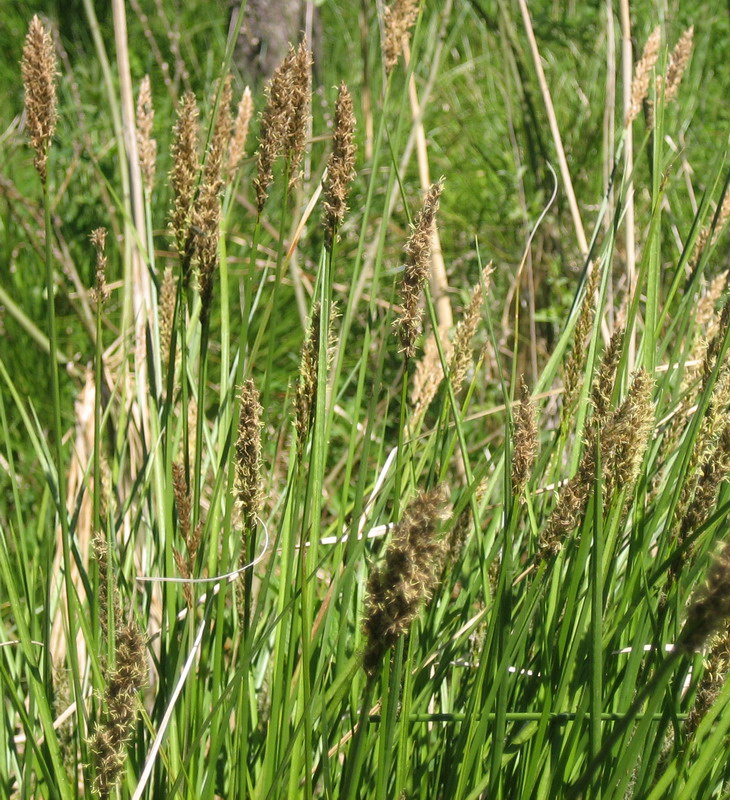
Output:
[[525, 441], [207, 210], [168, 294], [183, 179], [398, 589], [416, 270], [108, 742], [273, 127], [678, 61], [398, 19], [340, 166], [237, 146], [299, 104], [575, 364], [465, 330], [710, 606], [248, 454], [642, 74], [100, 293], [146, 144], [38, 67]]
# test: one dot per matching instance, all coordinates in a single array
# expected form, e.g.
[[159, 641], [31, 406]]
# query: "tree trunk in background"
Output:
[[268, 27]]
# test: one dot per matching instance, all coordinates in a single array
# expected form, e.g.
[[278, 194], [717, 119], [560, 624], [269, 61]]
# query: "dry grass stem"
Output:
[[38, 68]]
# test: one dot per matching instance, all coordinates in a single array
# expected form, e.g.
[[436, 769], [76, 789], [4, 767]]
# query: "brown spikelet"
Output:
[[146, 144], [274, 125], [100, 294], [642, 74], [248, 454], [182, 499], [237, 145], [168, 294], [101, 556], [406, 581], [429, 374], [398, 19], [678, 64], [340, 166], [307, 386], [622, 440], [38, 67], [465, 330], [183, 179], [525, 443], [716, 669], [207, 210], [415, 272], [108, 742], [306, 391], [605, 380], [299, 103], [458, 536], [575, 363], [709, 610], [626, 435]]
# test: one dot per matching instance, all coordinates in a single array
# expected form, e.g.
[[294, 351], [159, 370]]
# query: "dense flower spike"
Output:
[[183, 178], [416, 270], [465, 330], [248, 454], [100, 294], [575, 363], [407, 579], [207, 211], [146, 144], [398, 19], [678, 61], [299, 103], [710, 608], [340, 166], [39, 81], [237, 146], [168, 293], [525, 444], [108, 742], [642, 74]]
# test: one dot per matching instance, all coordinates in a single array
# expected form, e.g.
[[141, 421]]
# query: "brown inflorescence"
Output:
[[237, 145], [398, 19], [525, 443], [622, 440], [168, 293], [183, 179], [146, 144], [413, 562], [38, 68], [710, 607], [108, 742], [642, 74], [299, 103], [466, 328], [100, 293], [678, 61], [416, 270], [716, 669], [207, 209], [340, 166], [248, 454], [575, 362]]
